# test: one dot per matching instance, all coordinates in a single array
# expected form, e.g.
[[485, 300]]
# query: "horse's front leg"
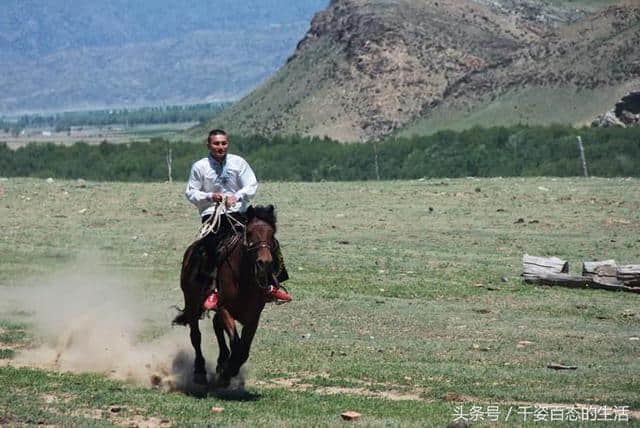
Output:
[[199, 371], [229, 324], [240, 351], [218, 328]]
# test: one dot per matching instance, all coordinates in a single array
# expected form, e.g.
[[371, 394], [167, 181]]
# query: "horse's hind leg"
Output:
[[190, 283], [218, 328], [199, 371]]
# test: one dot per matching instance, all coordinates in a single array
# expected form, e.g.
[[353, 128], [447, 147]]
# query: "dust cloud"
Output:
[[90, 319]]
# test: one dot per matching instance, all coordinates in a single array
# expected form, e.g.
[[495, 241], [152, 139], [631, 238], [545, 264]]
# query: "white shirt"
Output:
[[207, 176]]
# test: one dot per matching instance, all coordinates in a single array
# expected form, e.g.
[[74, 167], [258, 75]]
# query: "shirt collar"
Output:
[[215, 161]]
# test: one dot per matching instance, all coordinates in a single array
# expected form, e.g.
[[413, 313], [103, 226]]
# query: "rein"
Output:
[[212, 225]]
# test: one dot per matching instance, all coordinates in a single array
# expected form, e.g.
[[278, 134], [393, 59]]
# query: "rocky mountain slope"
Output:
[[368, 68]]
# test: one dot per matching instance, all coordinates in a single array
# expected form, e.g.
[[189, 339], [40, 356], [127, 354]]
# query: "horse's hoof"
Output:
[[200, 378], [222, 382]]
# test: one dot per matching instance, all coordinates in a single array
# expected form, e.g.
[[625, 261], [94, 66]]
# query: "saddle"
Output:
[[212, 256]]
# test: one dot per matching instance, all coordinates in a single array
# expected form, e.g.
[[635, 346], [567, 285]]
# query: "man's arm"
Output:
[[248, 183], [194, 192]]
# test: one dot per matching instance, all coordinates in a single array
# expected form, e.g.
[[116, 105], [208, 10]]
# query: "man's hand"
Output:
[[216, 197], [231, 201]]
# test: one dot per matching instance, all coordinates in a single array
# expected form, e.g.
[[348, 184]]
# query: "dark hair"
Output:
[[216, 132]]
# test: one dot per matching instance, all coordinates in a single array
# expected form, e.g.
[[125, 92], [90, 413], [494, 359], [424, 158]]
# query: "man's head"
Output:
[[218, 143]]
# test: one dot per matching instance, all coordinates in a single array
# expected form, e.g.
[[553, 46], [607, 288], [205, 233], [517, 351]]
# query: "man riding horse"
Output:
[[227, 180]]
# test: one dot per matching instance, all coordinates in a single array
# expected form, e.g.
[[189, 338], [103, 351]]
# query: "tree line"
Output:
[[60, 122], [499, 151]]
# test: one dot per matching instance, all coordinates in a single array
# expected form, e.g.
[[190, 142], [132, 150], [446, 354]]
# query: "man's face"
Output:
[[218, 145]]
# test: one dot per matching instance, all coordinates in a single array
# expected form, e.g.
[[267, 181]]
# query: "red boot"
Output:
[[211, 302], [279, 295]]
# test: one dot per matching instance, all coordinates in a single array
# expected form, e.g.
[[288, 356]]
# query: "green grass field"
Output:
[[408, 308], [544, 106]]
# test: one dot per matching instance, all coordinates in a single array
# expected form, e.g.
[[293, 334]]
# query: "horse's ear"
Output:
[[271, 208], [251, 212]]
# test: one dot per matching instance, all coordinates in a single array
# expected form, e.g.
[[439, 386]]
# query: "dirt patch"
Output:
[[144, 422], [123, 416], [400, 393], [367, 389], [5, 345], [169, 375], [12, 346], [96, 414], [454, 396], [56, 398]]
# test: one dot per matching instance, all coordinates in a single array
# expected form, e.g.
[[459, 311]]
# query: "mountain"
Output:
[[75, 54], [370, 68]]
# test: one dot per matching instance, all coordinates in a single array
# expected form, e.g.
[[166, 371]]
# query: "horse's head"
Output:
[[260, 241]]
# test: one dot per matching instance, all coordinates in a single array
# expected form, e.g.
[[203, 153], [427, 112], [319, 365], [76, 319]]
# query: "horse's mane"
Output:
[[264, 213]]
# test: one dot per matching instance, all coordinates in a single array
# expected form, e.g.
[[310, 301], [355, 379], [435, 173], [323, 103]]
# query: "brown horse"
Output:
[[242, 276]]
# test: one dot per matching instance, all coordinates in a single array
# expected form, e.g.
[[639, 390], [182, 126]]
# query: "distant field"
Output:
[[408, 308], [96, 135]]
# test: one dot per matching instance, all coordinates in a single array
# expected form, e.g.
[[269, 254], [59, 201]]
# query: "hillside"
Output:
[[74, 54], [366, 69]]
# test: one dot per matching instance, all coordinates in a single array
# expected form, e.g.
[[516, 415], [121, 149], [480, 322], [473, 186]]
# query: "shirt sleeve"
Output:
[[194, 192], [248, 183]]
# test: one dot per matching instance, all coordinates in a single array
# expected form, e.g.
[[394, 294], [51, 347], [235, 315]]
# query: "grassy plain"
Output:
[[408, 301]]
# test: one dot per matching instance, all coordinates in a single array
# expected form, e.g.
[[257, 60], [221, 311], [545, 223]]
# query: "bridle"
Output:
[[260, 274], [255, 246]]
